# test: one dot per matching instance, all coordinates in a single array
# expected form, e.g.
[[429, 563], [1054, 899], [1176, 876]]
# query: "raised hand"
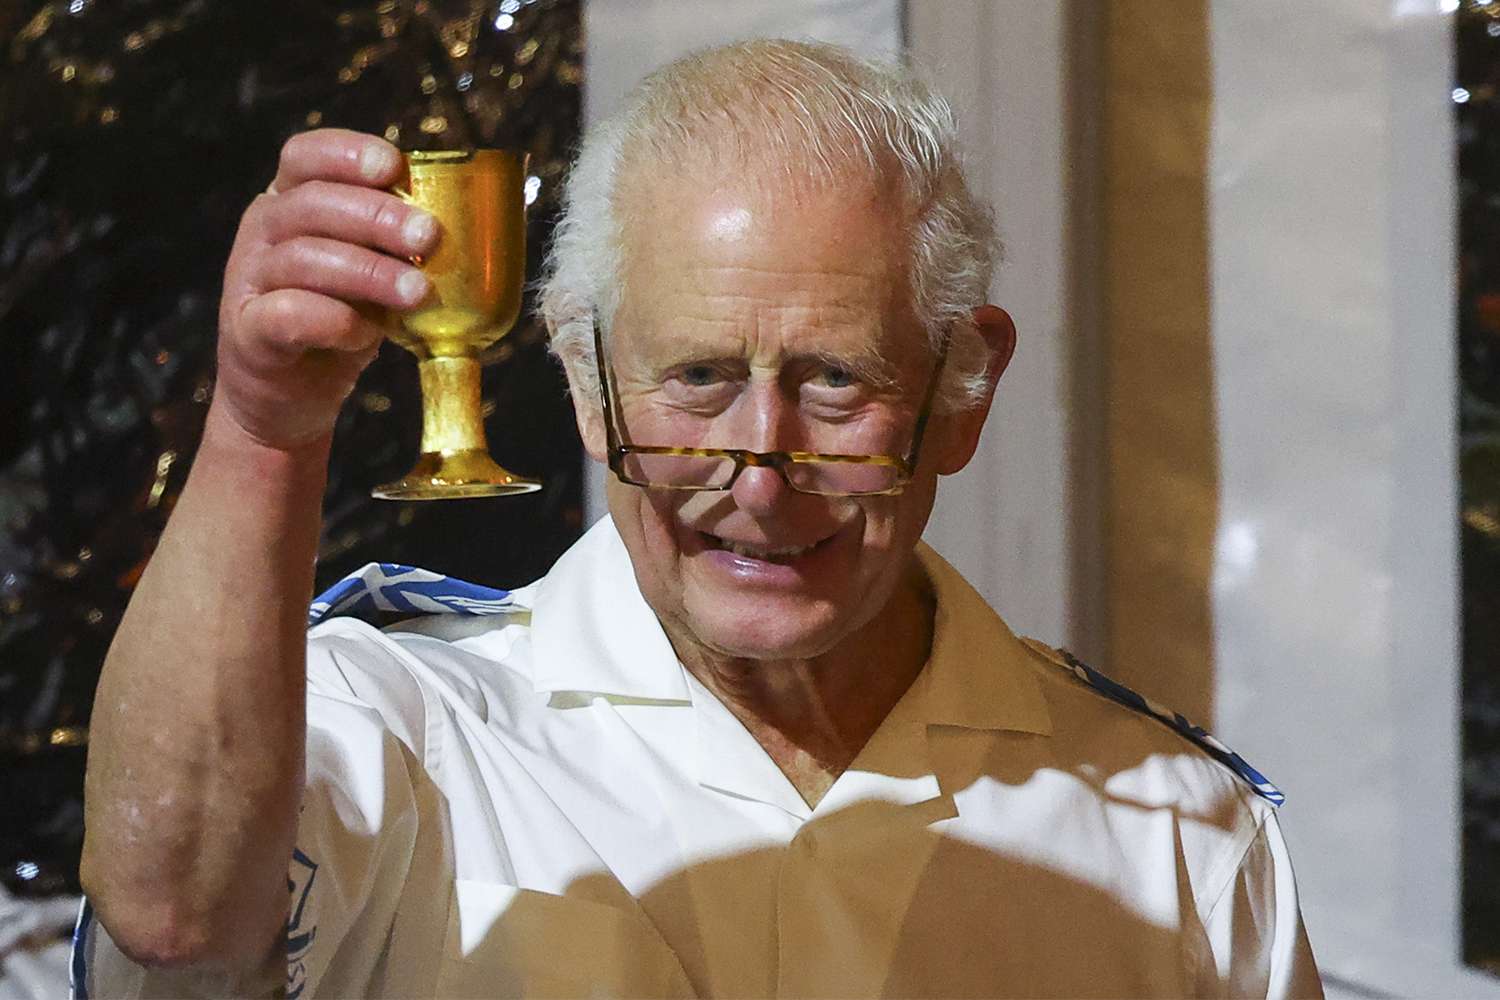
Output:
[[315, 263]]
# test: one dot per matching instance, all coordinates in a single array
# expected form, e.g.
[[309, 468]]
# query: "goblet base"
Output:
[[455, 475]]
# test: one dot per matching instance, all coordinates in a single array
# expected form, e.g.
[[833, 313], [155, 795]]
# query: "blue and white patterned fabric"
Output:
[[78, 977], [1115, 691], [378, 589]]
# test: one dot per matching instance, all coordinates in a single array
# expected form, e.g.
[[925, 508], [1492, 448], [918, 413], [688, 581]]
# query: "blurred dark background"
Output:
[[1477, 105], [133, 133]]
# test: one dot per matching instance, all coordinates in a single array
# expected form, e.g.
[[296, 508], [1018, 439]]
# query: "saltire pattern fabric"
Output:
[[78, 985], [1118, 692], [377, 589]]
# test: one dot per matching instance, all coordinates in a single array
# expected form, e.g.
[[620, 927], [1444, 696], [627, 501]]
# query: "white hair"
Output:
[[812, 113]]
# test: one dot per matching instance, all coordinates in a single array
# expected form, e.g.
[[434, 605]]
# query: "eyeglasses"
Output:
[[718, 468]]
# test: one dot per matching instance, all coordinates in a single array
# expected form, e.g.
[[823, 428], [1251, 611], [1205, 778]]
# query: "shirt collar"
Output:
[[978, 675], [592, 631]]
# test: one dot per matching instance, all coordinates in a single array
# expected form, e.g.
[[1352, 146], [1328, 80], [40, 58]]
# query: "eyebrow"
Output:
[[868, 365]]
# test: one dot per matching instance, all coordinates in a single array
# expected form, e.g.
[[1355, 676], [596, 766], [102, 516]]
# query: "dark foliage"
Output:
[[132, 135]]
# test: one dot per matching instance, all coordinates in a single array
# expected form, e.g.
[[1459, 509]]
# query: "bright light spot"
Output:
[[504, 22], [1481, 3], [27, 870], [1240, 544], [1238, 550], [1492, 29], [1460, 95], [731, 225], [509, 6], [465, 81], [1448, 6], [533, 188], [76, 6]]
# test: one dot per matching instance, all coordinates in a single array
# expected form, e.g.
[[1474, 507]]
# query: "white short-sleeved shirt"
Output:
[[545, 803]]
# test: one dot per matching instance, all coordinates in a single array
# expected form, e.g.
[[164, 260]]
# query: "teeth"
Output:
[[761, 552]]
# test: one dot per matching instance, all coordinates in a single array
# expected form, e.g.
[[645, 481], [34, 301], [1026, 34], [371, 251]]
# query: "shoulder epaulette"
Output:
[[379, 590], [1117, 692]]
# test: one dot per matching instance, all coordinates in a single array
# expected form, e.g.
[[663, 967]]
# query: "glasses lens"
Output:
[[702, 472], [842, 478], [693, 471]]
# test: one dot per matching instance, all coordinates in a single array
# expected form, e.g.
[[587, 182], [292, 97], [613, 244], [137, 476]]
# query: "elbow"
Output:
[[156, 930], [153, 937]]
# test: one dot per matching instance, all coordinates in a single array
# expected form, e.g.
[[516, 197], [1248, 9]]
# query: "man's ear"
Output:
[[959, 431], [586, 410], [590, 421]]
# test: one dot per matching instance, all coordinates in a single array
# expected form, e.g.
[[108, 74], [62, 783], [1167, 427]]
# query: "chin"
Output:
[[764, 633]]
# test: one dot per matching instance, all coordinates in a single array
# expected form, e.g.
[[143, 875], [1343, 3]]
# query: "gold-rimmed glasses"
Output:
[[676, 468]]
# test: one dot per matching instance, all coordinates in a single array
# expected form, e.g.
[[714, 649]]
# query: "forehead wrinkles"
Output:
[[733, 251], [861, 358], [731, 261], [765, 302], [856, 215], [767, 334]]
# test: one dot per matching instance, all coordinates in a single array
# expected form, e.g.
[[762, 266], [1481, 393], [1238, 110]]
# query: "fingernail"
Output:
[[375, 162], [412, 287], [418, 230]]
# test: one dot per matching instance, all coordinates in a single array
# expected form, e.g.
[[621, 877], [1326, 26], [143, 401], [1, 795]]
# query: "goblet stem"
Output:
[[455, 461], [452, 418]]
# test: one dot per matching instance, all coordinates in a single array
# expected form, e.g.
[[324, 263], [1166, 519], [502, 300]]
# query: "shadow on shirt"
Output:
[[882, 899]]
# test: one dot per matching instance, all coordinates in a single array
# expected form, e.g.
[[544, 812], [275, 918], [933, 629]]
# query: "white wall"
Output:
[[626, 39], [1332, 212], [1335, 600], [1007, 520]]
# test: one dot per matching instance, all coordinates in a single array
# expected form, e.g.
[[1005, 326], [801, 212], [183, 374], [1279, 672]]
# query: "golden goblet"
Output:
[[477, 270]]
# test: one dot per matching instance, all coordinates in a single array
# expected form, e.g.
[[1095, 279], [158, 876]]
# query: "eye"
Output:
[[701, 386], [699, 375], [834, 392], [835, 377]]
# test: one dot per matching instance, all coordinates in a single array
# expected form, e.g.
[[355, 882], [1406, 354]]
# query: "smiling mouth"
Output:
[[764, 553]]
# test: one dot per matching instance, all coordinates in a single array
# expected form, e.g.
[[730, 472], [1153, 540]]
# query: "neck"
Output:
[[814, 715]]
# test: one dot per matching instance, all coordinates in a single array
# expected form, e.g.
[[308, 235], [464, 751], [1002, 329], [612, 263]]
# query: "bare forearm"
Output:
[[198, 734], [197, 741]]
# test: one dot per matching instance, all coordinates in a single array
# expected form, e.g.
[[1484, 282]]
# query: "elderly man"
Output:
[[749, 737]]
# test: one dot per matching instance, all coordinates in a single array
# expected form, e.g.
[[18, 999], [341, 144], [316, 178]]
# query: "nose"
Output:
[[768, 424], [759, 490], [767, 420]]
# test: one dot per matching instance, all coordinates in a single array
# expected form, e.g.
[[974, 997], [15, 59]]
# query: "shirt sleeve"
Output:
[[370, 878], [1255, 930], [369, 881]]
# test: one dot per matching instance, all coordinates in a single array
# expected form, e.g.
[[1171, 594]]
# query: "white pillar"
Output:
[[1012, 521], [1333, 217]]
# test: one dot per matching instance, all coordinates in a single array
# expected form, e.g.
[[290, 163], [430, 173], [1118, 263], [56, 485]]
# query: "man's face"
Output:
[[769, 322]]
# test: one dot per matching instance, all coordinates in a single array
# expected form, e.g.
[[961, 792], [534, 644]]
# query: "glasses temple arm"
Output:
[[606, 394], [932, 386]]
